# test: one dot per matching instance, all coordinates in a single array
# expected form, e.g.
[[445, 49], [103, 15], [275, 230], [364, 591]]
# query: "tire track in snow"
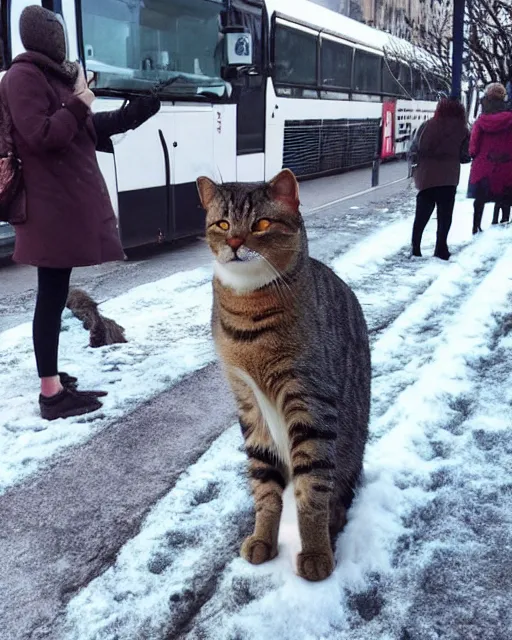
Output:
[[410, 342], [400, 464]]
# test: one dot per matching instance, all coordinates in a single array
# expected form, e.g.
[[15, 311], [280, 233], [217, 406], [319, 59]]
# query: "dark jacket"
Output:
[[71, 222], [440, 145]]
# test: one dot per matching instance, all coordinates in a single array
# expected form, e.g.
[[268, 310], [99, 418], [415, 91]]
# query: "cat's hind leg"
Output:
[[268, 479]]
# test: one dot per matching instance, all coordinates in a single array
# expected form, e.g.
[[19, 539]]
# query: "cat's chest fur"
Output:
[[252, 363]]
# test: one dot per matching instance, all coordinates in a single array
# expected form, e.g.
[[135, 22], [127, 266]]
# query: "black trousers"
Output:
[[504, 205], [52, 293], [426, 201], [479, 206]]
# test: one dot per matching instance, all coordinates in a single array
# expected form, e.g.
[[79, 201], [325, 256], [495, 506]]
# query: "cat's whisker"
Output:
[[282, 277]]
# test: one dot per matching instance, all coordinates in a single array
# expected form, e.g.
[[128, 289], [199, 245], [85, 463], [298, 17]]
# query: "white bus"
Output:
[[248, 86]]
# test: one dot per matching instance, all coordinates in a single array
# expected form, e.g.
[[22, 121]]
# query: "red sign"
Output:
[[388, 129]]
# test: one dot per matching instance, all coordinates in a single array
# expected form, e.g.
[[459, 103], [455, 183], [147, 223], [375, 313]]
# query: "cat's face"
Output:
[[255, 231]]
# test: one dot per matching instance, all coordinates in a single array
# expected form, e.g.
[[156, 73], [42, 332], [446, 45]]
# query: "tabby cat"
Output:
[[294, 344]]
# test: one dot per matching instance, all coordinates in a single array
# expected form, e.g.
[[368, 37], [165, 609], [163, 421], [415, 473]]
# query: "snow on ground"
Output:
[[167, 326], [427, 552]]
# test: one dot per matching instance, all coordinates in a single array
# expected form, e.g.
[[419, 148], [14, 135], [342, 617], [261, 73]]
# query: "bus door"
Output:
[[249, 87], [143, 169], [192, 155]]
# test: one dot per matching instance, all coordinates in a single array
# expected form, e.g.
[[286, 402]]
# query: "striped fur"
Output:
[[294, 344]]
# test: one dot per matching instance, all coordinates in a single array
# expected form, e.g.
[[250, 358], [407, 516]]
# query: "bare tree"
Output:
[[488, 40], [433, 68]]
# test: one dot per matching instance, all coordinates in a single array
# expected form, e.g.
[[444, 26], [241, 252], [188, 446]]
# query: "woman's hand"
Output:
[[82, 90], [139, 110]]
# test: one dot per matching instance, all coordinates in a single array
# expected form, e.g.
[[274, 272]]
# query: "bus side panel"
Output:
[[274, 142], [192, 156], [224, 167], [251, 168], [143, 184], [410, 114], [108, 169], [313, 136]]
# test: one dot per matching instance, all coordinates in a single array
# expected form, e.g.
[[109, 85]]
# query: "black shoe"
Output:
[[66, 404], [416, 252], [71, 383], [477, 230], [442, 255]]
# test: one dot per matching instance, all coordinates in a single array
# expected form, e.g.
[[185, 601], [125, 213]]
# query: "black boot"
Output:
[[67, 404], [478, 212], [415, 251], [442, 254]]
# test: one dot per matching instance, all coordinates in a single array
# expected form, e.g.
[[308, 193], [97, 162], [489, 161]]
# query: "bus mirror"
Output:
[[239, 47]]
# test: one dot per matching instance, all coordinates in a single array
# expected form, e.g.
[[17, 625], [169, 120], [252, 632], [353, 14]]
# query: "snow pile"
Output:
[[168, 330], [167, 326], [426, 552]]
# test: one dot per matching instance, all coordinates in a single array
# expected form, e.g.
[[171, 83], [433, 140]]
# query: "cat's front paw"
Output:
[[315, 566], [257, 551]]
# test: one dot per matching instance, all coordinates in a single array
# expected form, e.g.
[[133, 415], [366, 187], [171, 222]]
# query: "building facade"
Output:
[[414, 20]]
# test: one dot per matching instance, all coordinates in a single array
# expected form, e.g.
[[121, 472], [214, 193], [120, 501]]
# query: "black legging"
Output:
[[52, 293], [426, 201], [478, 212], [504, 205]]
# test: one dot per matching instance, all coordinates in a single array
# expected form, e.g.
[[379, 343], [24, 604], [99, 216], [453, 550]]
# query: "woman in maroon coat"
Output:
[[440, 145], [70, 220], [491, 149]]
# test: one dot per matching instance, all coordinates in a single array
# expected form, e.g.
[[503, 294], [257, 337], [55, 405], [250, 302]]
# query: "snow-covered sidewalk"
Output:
[[167, 325], [427, 552]]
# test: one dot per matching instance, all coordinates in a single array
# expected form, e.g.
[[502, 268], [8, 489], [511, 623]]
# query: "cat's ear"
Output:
[[207, 190], [285, 188]]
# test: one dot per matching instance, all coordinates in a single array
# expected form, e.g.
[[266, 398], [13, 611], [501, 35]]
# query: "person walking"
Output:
[[490, 147], [440, 145], [70, 220]]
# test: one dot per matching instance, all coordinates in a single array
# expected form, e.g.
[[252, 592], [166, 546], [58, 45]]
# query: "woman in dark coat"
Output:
[[70, 220], [440, 145], [491, 149]]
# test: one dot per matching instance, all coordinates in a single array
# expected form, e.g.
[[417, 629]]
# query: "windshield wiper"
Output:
[[157, 89]]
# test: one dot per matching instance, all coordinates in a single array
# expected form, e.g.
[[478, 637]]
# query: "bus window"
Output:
[[418, 83], [336, 60], [390, 78], [367, 72], [406, 80], [137, 45], [295, 55]]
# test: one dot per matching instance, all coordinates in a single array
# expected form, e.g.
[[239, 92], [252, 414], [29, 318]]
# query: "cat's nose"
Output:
[[235, 243]]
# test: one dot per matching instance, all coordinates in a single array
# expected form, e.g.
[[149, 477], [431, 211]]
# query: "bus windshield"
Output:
[[173, 46]]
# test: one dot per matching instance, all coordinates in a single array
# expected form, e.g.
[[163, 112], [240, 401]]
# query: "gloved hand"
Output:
[[82, 90], [139, 110]]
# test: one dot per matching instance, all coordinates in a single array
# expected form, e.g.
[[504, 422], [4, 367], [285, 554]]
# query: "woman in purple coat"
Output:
[[70, 220]]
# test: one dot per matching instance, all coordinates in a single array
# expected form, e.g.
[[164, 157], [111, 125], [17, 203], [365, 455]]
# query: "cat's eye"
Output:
[[261, 225], [223, 224]]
